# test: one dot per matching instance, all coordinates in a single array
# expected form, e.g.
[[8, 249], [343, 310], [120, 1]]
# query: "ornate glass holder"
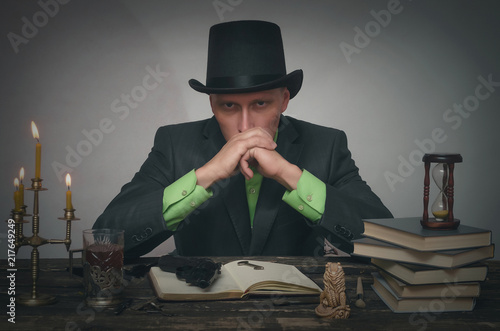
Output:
[[442, 208], [34, 298]]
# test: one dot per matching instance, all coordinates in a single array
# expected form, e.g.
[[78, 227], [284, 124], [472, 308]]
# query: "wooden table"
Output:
[[70, 313]]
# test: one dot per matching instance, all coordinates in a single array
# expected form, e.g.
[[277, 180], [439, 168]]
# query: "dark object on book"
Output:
[[237, 282], [201, 272], [407, 232]]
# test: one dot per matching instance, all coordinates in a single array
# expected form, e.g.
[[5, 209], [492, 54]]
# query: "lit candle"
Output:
[[38, 157], [21, 186], [16, 196], [69, 205]]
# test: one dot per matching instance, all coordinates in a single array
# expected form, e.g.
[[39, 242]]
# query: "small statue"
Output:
[[333, 301]]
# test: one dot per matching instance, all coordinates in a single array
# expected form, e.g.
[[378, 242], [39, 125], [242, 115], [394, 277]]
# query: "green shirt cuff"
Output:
[[309, 197], [181, 198]]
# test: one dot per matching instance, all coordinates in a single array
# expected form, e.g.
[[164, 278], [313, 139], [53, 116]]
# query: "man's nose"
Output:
[[245, 122]]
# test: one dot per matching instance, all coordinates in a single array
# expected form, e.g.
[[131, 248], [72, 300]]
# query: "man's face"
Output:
[[237, 113]]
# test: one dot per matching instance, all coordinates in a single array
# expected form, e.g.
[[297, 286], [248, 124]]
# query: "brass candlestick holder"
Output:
[[34, 298]]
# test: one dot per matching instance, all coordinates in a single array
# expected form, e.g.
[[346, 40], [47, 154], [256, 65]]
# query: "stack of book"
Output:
[[422, 270]]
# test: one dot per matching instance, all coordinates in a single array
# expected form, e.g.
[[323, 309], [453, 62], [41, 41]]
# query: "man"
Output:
[[248, 181]]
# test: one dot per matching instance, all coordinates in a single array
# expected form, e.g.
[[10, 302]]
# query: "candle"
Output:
[[69, 205], [16, 196], [38, 158], [21, 186]]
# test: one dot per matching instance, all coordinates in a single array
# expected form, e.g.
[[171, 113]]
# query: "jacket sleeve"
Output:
[[349, 199], [181, 198], [137, 209]]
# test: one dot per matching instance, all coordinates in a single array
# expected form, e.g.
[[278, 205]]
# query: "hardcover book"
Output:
[[409, 233], [445, 290], [236, 281], [414, 274], [411, 305], [444, 259]]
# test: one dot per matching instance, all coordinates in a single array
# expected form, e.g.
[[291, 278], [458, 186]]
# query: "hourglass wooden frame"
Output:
[[450, 222]]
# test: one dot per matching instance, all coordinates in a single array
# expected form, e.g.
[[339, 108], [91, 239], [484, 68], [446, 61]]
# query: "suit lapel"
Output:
[[235, 199], [213, 142], [232, 190], [271, 192]]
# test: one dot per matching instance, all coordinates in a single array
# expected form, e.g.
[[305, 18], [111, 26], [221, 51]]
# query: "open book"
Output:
[[236, 281]]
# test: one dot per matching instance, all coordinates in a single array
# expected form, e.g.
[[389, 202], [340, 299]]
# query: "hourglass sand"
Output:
[[440, 206]]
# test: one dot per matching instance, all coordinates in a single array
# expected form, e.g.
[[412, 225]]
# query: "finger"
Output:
[[245, 165], [256, 137], [246, 172], [256, 131], [246, 175], [259, 141]]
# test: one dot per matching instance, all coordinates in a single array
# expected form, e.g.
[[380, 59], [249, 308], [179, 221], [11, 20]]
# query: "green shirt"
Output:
[[183, 196]]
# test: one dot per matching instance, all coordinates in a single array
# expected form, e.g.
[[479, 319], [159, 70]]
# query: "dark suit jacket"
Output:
[[221, 226]]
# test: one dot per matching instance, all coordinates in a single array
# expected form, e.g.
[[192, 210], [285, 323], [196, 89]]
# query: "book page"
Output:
[[274, 276], [170, 287]]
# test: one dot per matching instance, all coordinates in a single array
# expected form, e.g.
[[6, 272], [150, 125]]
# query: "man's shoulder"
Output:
[[194, 125], [189, 128], [181, 132]]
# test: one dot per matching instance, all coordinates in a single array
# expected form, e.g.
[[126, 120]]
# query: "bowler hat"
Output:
[[246, 56]]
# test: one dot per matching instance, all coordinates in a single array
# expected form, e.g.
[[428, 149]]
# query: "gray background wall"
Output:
[[406, 84]]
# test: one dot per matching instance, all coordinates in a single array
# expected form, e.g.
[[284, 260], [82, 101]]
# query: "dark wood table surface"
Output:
[[145, 312]]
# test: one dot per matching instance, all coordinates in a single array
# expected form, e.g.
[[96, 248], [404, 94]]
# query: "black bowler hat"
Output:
[[246, 56]]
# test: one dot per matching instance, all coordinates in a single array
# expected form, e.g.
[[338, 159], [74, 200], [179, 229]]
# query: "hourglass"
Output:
[[442, 208]]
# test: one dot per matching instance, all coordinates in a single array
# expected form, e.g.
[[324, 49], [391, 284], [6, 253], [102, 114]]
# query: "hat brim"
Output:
[[292, 81]]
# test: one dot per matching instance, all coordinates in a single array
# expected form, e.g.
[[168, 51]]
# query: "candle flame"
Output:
[[34, 130], [16, 183], [21, 174], [68, 181]]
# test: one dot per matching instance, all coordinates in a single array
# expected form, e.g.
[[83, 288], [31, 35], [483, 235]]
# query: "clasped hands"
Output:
[[256, 148]]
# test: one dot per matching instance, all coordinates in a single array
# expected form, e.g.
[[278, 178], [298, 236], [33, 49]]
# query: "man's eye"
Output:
[[261, 103], [229, 105]]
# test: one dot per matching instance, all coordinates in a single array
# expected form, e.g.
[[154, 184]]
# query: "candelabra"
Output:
[[35, 298]]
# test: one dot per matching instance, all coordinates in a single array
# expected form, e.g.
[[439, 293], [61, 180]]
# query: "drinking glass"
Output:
[[103, 266]]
